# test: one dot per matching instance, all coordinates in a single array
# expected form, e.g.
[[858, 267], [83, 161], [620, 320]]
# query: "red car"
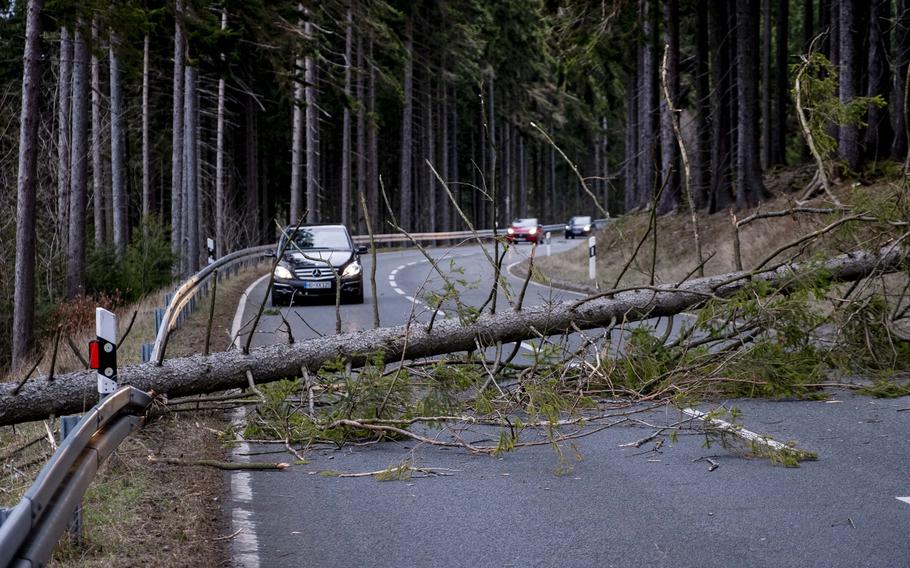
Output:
[[523, 230]]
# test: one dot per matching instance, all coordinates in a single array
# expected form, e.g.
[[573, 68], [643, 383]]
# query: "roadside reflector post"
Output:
[[103, 352], [547, 240], [591, 257], [210, 242]]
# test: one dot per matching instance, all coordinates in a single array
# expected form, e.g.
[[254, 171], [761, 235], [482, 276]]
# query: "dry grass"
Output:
[[136, 513], [676, 256]]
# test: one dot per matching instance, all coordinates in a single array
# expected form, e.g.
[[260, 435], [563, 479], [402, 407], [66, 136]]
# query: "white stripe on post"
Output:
[[547, 240], [106, 330], [591, 256], [211, 246]]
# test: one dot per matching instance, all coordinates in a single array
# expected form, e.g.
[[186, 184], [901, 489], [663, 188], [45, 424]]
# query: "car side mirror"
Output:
[[362, 249]]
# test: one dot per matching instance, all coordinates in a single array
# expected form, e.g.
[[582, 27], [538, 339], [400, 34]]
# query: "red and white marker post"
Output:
[[592, 254], [103, 351]]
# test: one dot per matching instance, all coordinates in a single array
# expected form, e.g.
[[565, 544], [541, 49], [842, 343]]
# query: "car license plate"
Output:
[[311, 285]]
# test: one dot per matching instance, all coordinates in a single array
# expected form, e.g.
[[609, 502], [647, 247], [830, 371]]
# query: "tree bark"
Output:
[[670, 199], [901, 61], [630, 152], [749, 185], [202, 374], [720, 194], [190, 171], [99, 187], [146, 143], [27, 189], [75, 274], [177, 139], [118, 165], [649, 108], [372, 144], [297, 140], [346, 124], [782, 85], [64, 96], [312, 128], [848, 138], [220, 244], [878, 134], [766, 84], [404, 174], [253, 211], [361, 144], [701, 163]]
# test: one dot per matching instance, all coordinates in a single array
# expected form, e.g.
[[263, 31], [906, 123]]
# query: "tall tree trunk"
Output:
[[782, 85], [312, 130], [490, 140], [407, 126], [372, 144], [649, 107], [766, 84], [701, 163], [27, 187], [297, 140], [604, 164], [64, 96], [118, 166], [430, 153], [808, 24], [848, 139], [177, 138], [720, 194], [346, 123], [878, 134], [99, 186], [630, 152], [670, 199], [220, 244], [506, 189], [901, 60], [455, 219], [190, 171], [443, 113], [749, 185], [75, 273], [146, 147], [253, 211], [361, 154]]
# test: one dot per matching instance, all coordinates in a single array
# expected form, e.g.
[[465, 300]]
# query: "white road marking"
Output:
[[399, 290], [245, 546], [414, 300], [241, 307], [549, 287], [904, 499], [392, 277]]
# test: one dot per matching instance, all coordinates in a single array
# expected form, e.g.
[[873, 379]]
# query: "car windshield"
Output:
[[524, 223], [318, 238], [581, 220]]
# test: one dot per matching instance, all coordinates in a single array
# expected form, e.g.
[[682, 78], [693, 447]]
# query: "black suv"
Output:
[[311, 262]]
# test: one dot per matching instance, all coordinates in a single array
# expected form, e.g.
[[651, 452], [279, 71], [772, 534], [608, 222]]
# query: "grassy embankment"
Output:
[[136, 513]]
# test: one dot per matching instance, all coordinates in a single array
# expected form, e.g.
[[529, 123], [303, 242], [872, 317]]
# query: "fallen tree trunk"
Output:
[[76, 392]]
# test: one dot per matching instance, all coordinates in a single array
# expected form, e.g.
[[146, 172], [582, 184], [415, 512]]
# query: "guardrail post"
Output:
[[103, 351], [547, 241], [592, 251], [74, 529]]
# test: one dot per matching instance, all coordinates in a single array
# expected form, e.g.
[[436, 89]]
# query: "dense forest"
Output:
[[130, 131]]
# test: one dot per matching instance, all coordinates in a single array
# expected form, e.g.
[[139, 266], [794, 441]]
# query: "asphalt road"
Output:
[[600, 504]]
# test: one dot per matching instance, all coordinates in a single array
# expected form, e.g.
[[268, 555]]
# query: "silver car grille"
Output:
[[316, 272]]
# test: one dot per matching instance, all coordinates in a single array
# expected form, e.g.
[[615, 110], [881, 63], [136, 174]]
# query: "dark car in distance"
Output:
[[310, 263], [579, 227], [523, 230]]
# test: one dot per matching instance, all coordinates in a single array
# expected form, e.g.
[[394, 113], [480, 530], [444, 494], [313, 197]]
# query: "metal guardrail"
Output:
[[188, 290], [30, 530]]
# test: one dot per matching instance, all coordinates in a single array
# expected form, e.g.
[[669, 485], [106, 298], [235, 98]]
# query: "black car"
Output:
[[311, 262], [579, 227]]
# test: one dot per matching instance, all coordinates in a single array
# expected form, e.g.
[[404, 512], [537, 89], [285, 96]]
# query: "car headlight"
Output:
[[352, 269], [511, 231], [587, 227], [283, 273], [533, 231], [568, 228]]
